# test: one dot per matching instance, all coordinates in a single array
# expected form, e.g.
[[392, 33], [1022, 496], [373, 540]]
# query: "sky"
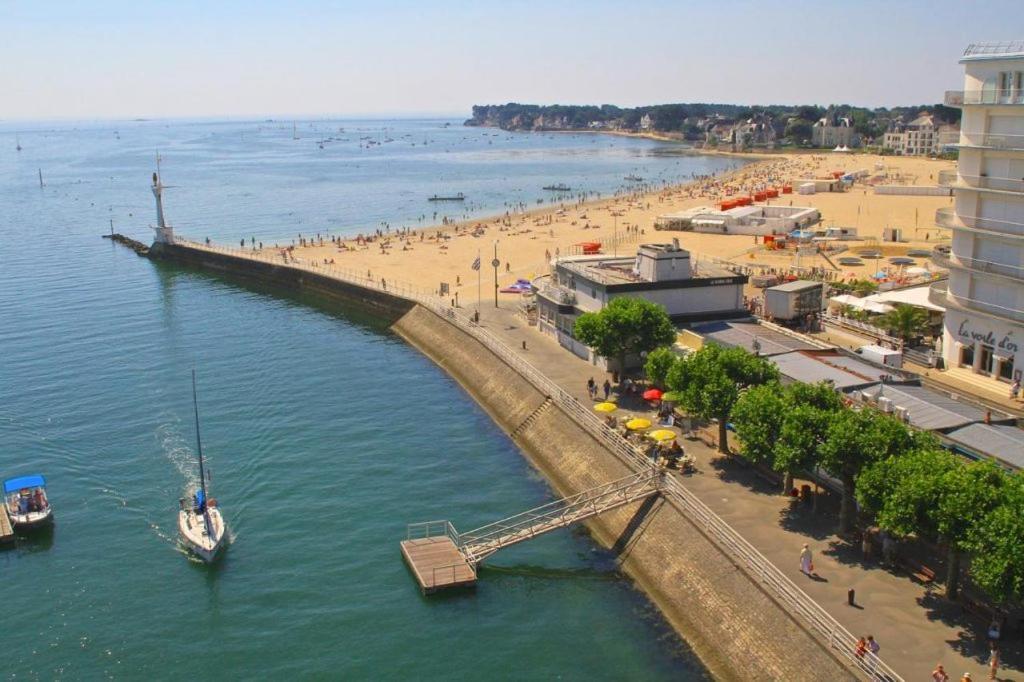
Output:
[[226, 58]]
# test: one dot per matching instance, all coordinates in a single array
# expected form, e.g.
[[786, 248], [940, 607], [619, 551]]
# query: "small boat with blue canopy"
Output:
[[200, 523], [26, 502]]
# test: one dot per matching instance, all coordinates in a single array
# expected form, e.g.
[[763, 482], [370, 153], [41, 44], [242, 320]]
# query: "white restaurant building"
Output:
[[984, 297]]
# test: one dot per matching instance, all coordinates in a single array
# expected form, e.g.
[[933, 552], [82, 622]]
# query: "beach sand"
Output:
[[527, 240]]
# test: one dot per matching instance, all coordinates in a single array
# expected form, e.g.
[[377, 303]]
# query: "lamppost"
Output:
[[495, 263]]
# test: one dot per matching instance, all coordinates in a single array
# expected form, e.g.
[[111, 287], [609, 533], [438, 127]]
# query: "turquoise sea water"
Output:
[[325, 433]]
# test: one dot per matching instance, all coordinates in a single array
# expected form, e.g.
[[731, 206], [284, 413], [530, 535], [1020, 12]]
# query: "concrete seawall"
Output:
[[738, 630]]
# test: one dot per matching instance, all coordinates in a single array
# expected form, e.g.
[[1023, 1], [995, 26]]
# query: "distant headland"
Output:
[[700, 122]]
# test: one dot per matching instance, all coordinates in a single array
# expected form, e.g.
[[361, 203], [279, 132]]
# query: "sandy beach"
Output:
[[527, 239]]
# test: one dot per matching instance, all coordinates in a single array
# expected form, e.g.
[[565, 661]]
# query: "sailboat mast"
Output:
[[199, 447]]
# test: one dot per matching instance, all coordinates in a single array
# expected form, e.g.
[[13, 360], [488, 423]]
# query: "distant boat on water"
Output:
[[17, 144], [200, 523], [455, 197], [634, 178], [558, 188]]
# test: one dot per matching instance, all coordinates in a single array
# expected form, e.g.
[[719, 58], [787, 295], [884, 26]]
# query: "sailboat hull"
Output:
[[192, 529]]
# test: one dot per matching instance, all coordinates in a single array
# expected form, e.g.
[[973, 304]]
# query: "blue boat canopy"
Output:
[[13, 485]]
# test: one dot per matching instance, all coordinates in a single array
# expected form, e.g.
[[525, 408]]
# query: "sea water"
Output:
[[324, 432]]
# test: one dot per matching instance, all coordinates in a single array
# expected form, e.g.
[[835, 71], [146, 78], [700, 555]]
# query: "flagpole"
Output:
[[479, 285]]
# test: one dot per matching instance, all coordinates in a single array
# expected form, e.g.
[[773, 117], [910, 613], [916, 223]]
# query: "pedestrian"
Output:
[[862, 648], [873, 646], [591, 388], [993, 660], [1014, 389], [806, 563], [966, 678], [607, 388], [939, 674]]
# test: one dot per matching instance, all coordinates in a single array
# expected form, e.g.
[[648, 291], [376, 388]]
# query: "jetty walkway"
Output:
[[560, 376], [441, 557]]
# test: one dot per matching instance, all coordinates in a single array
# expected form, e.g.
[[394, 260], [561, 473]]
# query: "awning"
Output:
[[13, 485]]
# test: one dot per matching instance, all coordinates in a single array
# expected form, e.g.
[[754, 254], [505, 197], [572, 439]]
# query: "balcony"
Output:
[[937, 295], [950, 178], [947, 217], [999, 141], [958, 98], [1015, 272], [564, 299]]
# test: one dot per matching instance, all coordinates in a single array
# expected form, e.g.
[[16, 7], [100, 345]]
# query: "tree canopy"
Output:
[[711, 380], [626, 325], [659, 362]]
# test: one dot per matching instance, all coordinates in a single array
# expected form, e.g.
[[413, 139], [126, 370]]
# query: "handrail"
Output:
[[937, 295], [957, 180], [948, 217], [992, 140], [478, 544], [795, 600], [978, 265], [956, 98]]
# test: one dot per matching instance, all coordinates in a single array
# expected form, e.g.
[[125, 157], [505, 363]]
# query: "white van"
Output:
[[883, 356]]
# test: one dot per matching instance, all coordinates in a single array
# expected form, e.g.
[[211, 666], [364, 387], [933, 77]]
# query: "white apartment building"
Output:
[[984, 297], [921, 137]]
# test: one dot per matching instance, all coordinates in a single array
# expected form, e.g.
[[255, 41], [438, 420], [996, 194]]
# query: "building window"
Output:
[[1004, 367], [967, 356], [987, 358]]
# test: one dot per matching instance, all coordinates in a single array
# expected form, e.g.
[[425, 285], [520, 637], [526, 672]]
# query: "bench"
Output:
[[919, 571]]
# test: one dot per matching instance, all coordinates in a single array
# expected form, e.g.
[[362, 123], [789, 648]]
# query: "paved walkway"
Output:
[[914, 625]]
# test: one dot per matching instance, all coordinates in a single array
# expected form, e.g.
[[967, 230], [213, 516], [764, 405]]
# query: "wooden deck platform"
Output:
[[6, 531], [437, 563]]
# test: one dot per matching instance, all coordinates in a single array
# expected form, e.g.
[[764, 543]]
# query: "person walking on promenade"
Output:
[[1014, 389], [607, 388], [806, 563], [993, 660], [966, 678], [591, 388], [939, 674]]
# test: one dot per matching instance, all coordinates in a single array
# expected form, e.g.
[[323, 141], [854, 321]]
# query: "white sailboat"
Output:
[[200, 523]]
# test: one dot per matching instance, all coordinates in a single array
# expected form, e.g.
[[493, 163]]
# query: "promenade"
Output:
[[915, 626]]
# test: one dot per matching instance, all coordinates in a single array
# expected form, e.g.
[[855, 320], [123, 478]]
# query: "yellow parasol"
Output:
[[638, 424], [662, 435], [606, 408]]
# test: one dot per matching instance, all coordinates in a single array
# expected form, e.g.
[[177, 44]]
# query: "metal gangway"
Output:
[[484, 541], [441, 557]]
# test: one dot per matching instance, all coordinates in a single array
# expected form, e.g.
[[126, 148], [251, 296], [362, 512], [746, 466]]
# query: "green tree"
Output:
[[970, 492], [929, 491], [808, 414], [905, 321], [856, 439], [757, 417], [626, 325], [997, 563], [710, 382], [864, 287], [798, 130], [659, 362]]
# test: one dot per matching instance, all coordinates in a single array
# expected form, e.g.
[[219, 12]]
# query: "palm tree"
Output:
[[905, 321]]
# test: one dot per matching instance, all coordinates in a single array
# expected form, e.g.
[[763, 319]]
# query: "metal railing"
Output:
[[995, 48], [481, 542], [796, 602], [978, 265], [558, 294], [1013, 142], [948, 217], [950, 178], [431, 529], [937, 295], [957, 98], [861, 327]]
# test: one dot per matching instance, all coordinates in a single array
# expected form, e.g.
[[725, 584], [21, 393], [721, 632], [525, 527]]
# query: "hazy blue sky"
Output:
[[223, 58]]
